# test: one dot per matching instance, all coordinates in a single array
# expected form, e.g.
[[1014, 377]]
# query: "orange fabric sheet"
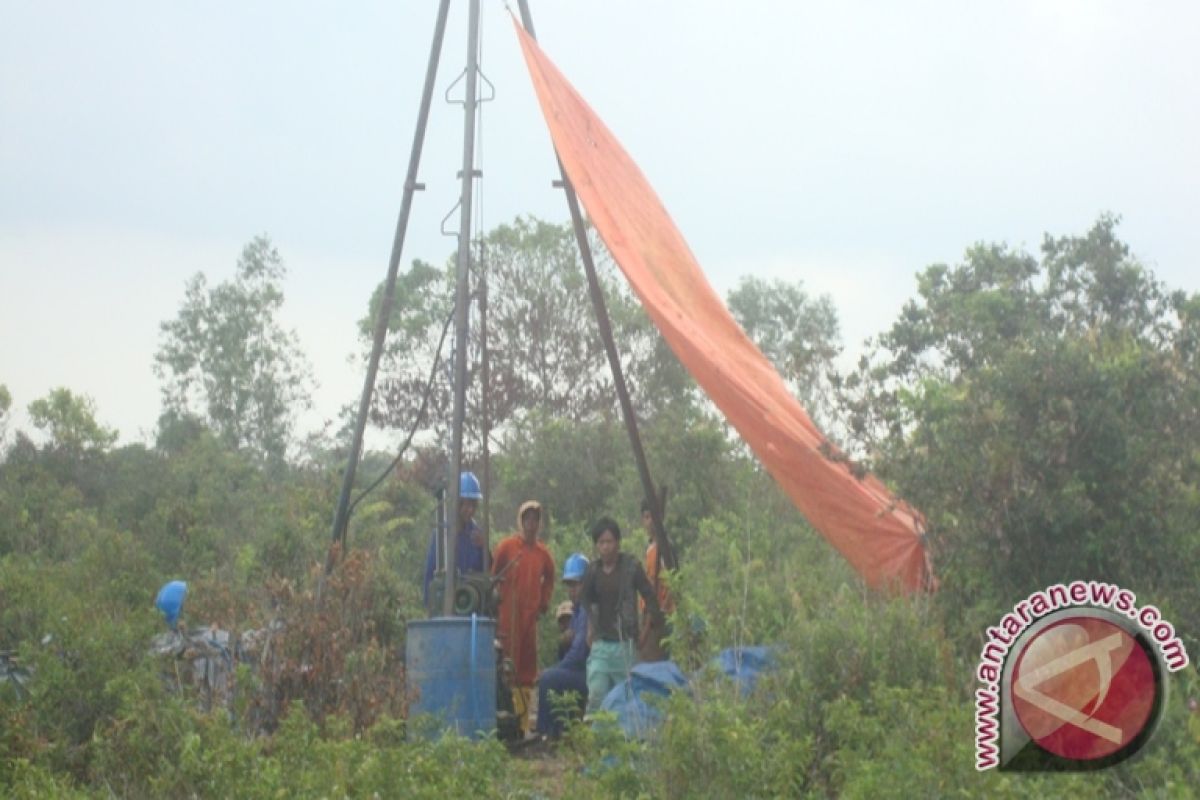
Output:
[[878, 535]]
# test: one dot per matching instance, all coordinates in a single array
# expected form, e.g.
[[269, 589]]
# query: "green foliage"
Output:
[[717, 745], [157, 747], [1044, 413], [572, 468], [606, 764], [226, 358], [70, 421], [421, 306], [1169, 765], [797, 333], [339, 656], [749, 569], [1044, 416], [5, 405], [210, 501], [74, 643], [545, 352], [543, 357], [38, 513], [914, 742], [691, 455], [22, 780]]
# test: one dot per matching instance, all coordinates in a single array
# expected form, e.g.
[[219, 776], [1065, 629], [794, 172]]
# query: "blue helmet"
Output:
[[170, 600], [576, 565], [468, 487]]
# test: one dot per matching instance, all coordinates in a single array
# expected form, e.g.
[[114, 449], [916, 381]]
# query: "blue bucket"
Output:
[[450, 665]]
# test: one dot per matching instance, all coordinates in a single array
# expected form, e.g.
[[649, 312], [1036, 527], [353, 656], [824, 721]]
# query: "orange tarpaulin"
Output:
[[878, 535]]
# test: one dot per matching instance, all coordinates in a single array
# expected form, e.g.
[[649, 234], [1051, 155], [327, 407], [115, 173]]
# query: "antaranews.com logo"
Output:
[[1074, 678]]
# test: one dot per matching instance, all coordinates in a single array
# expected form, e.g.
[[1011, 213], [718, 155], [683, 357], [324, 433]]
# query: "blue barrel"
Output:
[[450, 667]]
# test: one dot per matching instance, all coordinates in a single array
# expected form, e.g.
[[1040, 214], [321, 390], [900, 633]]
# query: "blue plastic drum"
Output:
[[451, 673]]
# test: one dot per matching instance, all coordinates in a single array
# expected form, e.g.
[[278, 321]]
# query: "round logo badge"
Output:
[[1085, 688]]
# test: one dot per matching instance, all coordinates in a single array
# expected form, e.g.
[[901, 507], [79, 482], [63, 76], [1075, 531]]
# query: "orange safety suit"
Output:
[[665, 601], [527, 572]]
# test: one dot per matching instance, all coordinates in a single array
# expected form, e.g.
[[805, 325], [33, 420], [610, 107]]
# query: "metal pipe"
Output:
[[341, 514], [527, 21], [462, 299], [439, 536], [610, 348], [614, 361], [485, 406]]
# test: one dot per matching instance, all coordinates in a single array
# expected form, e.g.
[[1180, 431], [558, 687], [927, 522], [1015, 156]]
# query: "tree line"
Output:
[[1042, 409]]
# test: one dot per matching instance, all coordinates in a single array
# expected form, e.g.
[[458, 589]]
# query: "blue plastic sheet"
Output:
[[744, 664], [633, 701], [628, 700]]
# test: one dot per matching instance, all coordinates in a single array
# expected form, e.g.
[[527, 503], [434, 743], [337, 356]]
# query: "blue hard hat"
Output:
[[468, 487], [170, 600], [577, 564]]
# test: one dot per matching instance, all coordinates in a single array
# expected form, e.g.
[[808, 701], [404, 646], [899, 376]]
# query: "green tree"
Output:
[[1045, 414], [796, 332], [70, 421], [544, 346], [543, 337], [5, 405], [422, 303], [574, 469], [226, 358]]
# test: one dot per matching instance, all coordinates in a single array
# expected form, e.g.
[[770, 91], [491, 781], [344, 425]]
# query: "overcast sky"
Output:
[[846, 145]]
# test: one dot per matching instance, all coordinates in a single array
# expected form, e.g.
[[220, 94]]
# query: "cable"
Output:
[[446, 327], [416, 422]]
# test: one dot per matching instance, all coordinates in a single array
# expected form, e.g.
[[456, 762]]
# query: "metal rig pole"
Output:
[[485, 407], [462, 302], [666, 553], [342, 513]]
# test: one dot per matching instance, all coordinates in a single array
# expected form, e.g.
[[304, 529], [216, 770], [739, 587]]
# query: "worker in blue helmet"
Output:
[[569, 675], [469, 544], [170, 601]]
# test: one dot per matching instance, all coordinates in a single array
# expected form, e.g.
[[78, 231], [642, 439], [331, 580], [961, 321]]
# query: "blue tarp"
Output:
[[744, 664], [628, 699], [639, 718]]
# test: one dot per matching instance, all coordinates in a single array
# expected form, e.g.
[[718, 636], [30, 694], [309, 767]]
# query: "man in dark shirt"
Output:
[[609, 593]]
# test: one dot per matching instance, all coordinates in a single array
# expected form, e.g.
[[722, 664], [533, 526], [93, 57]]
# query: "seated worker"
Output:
[[570, 673], [563, 615], [610, 586], [468, 547]]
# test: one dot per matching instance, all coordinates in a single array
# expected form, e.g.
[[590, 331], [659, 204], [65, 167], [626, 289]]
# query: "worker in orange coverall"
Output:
[[650, 647], [526, 570]]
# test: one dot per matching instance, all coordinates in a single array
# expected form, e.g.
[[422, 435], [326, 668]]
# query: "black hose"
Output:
[[416, 422]]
